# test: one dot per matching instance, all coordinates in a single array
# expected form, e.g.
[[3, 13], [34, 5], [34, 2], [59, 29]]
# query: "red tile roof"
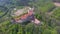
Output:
[[25, 16]]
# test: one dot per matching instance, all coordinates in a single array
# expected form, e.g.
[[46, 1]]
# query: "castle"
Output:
[[29, 16]]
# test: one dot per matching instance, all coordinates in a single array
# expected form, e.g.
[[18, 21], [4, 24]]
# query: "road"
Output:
[[5, 12]]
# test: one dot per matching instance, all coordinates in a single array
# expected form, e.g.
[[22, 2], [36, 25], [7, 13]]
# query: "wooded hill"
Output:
[[45, 11]]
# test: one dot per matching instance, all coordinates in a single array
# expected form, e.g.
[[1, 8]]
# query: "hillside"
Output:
[[44, 10]]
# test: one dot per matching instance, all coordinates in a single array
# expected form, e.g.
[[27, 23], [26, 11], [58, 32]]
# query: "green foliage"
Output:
[[46, 7], [1, 13], [56, 13], [6, 27], [38, 16], [47, 31]]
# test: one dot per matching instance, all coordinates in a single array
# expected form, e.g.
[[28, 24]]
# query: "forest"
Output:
[[45, 11]]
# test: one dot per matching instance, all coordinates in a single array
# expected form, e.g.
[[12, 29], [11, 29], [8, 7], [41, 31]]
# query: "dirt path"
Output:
[[7, 10], [56, 4]]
